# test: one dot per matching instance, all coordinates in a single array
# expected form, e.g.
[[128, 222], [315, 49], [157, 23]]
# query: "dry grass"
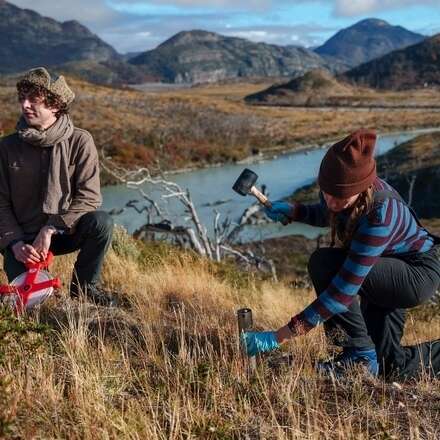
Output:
[[167, 365]]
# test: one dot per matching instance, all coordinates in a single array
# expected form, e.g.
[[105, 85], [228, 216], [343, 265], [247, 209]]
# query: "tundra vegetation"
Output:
[[211, 124], [166, 364]]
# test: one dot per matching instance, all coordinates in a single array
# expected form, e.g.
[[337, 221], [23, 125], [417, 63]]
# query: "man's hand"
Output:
[[43, 240], [25, 253]]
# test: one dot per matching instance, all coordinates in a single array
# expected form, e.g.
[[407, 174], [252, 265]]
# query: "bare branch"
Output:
[[196, 238], [251, 259]]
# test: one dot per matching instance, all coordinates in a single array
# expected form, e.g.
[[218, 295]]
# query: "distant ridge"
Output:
[[413, 67], [28, 39], [200, 56], [366, 40]]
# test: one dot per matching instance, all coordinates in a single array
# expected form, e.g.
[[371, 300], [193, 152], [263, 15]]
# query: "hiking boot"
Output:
[[96, 295], [350, 358]]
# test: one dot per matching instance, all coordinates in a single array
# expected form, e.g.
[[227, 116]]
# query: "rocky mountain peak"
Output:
[[372, 22], [200, 56], [368, 39], [193, 36], [27, 39], [74, 26]]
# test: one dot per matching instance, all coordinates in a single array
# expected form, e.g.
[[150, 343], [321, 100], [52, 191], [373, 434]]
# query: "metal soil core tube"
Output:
[[245, 323], [244, 318]]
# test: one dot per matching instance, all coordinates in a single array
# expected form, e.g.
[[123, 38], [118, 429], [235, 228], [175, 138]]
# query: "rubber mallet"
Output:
[[245, 184]]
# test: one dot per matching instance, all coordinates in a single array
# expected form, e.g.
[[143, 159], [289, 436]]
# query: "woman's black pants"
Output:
[[377, 317]]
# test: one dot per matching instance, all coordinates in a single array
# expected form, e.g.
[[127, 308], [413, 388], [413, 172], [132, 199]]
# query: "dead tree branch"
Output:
[[225, 233]]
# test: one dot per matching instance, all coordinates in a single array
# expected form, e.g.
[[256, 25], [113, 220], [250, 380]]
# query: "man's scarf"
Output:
[[56, 136]]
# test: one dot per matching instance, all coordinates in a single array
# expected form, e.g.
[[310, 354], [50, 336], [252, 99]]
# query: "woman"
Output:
[[385, 257]]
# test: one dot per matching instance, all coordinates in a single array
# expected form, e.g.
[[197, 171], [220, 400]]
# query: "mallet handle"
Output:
[[266, 202], [260, 197]]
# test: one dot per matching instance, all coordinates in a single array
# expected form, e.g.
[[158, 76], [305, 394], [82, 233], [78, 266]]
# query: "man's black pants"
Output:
[[92, 237], [378, 318]]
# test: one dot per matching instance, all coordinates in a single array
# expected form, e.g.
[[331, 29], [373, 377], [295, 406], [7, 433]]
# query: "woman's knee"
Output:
[[323, 265]]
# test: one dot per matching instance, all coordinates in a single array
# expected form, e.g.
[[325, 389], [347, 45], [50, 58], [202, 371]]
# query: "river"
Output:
[[282, 175]]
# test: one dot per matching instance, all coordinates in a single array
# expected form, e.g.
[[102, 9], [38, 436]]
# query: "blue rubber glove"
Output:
[[258, 342], [280, 211]]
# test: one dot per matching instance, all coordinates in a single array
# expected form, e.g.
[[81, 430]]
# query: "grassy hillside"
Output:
[[206, 125], [166, 364]]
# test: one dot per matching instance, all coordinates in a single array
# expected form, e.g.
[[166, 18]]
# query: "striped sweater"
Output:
[[388, 229]]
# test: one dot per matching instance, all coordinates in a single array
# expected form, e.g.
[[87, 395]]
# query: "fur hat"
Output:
[[349, 167], [58, 86]]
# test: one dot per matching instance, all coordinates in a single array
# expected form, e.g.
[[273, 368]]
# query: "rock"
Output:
[[202, 57]]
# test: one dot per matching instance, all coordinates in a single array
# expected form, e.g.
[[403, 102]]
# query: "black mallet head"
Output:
[[245, 184], [246, 180]]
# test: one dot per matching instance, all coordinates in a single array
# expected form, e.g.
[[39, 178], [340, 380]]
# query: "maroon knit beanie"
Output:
[[348, 167]]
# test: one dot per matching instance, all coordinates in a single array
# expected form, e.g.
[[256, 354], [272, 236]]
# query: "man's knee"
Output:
[[97, 223]]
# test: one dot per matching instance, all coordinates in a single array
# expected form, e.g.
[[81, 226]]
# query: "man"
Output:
[[49, 188]]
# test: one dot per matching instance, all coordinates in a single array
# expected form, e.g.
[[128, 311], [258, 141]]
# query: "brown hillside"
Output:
[[310, 89], [416, 66], [195, 127]]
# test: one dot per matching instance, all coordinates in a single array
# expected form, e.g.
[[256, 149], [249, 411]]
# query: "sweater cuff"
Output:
[[11, 243], [298, 325], [10, 237], [297, 212]]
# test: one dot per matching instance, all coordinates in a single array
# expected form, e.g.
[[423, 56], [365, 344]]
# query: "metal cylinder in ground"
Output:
[[245, 323]]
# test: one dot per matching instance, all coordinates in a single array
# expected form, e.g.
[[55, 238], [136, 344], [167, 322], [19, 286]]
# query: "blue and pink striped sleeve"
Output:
[[368, 244], [315, 214]]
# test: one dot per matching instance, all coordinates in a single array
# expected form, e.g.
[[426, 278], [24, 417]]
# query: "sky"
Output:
[[139, 25]]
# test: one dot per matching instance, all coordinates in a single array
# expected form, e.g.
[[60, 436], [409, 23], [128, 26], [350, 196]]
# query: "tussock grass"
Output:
[[166, 364]]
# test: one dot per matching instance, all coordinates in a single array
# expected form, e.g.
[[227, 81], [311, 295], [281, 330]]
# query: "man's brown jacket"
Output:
[[23, 185]]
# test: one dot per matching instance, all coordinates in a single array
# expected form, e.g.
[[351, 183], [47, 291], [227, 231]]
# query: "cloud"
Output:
[[301, 35], [138, 25], [353, 8], [245, 5], [89, 12]]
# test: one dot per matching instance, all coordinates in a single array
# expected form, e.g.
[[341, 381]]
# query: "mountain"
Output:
[[200, 56], [413, 67], [28, 39], [366, 40], [316, 87], [108, 72], [127, 56]]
